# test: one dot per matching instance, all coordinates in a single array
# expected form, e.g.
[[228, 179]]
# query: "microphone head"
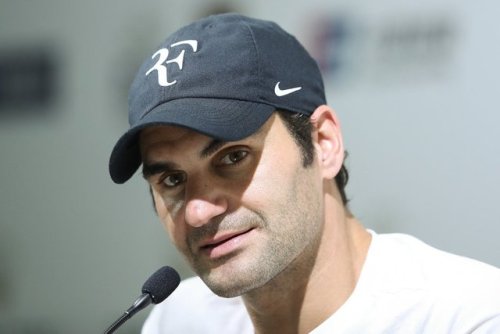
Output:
[[161, 284]]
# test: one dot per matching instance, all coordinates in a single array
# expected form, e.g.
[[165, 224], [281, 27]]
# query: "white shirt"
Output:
[[405, 287]]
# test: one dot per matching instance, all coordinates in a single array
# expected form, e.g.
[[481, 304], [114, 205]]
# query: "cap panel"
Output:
[[285, 61], [223, 65]]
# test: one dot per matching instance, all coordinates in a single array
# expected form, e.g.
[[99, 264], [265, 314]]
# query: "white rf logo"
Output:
[[163, 60]]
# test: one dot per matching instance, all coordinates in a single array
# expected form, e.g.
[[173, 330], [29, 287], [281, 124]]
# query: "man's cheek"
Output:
[[176, 233]]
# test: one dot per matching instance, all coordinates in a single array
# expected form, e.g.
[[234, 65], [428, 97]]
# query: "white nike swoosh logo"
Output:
[[282, 92]]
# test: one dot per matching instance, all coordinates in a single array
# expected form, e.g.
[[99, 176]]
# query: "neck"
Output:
[[317, 283]]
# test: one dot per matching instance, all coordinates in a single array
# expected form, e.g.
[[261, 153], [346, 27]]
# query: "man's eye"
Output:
[[173, 180], [233, 157]]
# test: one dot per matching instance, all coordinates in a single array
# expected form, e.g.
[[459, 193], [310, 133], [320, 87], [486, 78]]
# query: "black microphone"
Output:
[[158, 287]]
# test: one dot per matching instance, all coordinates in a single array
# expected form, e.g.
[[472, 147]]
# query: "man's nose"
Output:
[[204, 204]]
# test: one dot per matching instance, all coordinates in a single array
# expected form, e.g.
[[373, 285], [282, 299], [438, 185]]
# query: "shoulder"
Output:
[[466, 289], [194, 308], [430, 267], [436, 265], [408, 286]]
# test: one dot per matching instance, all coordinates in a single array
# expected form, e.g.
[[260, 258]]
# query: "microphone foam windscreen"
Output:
[[161, 284]]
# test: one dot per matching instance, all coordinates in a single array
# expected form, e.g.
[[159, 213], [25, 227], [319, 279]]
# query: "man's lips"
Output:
[[217, 240], [223, 244]]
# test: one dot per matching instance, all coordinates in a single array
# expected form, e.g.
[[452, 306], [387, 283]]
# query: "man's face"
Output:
[[240, 212]]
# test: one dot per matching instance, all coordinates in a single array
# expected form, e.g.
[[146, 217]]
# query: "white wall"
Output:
[[75, 248]]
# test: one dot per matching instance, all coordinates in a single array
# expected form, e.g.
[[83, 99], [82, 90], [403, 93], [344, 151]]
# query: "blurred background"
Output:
[[416, 86]]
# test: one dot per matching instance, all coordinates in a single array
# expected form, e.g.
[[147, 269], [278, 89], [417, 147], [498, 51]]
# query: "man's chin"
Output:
[[228, 289], [230, 283]]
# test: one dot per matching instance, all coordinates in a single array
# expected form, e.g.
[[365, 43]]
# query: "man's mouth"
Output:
[[224, 244]]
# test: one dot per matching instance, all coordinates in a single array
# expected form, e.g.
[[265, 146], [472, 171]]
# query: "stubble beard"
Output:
[[288, 252]]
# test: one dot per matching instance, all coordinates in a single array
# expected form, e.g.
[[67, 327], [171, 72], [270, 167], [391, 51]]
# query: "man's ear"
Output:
[[327, 139]]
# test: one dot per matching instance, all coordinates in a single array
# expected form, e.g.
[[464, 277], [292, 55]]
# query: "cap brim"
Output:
[[227, 120]]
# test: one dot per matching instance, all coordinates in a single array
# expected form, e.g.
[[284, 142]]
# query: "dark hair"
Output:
[[300, 128]]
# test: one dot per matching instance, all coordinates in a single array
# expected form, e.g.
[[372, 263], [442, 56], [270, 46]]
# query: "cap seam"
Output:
[[254, 42]]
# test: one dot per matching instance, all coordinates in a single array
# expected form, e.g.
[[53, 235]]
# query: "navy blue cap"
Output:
[[222, 76]]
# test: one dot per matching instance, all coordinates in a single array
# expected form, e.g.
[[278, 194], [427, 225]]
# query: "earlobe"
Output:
[[328, 140]]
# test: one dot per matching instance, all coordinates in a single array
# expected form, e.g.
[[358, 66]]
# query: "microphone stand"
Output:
[[141, 302]]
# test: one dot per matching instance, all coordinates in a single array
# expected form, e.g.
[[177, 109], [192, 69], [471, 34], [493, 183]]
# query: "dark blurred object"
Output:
[[27, 80], [400, 47]]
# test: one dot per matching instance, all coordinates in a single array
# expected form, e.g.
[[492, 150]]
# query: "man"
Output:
[[230, 123]]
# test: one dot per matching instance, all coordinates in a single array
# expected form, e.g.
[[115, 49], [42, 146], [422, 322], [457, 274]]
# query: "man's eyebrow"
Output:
[[150, 169], [211, 148]]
